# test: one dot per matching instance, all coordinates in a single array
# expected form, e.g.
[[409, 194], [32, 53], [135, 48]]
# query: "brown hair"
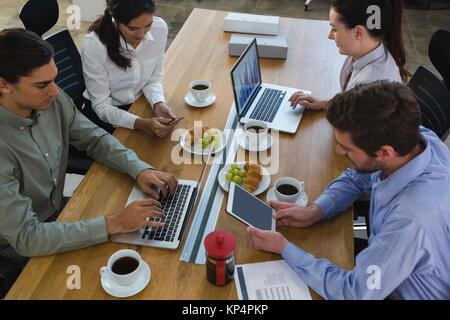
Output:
[[377, 114], [354, 12], [123, 11]]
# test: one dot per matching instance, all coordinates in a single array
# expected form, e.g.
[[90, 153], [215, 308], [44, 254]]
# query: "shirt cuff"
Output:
[[97, 230], [292, 254], [326, 205], [127, 120]]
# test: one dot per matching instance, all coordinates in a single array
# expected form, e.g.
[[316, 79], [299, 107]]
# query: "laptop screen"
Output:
[[246, 76]]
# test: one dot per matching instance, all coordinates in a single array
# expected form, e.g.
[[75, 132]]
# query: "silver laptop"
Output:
[[177, 209], [255, 100]]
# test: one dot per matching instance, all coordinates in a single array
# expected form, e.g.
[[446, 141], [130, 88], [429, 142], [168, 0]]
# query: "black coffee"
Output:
[[255, 128], [287, 189], [125, 265], [200, 87]]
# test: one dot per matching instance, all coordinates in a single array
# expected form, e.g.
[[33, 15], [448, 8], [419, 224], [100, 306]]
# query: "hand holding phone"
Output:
[[175, 121]]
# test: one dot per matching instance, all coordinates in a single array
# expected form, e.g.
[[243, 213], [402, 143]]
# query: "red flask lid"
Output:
[[220, 244]]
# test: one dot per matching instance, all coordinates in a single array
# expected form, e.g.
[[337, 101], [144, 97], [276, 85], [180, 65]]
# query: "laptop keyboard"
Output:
[[268, 105], [172, 207]]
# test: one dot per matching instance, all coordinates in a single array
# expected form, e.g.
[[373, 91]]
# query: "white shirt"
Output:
[[108, 86], [376, 65]]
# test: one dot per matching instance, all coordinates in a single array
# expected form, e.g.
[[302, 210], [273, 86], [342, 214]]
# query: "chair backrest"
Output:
[[39, 15], [439, 54], [434, 100], [68, 61]]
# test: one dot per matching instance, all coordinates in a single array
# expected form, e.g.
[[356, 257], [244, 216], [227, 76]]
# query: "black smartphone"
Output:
[[175, 121]]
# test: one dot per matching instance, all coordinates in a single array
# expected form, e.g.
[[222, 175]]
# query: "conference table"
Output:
[[200, 51]]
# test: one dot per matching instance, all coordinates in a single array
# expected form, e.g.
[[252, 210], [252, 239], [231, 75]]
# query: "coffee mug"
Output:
[[256, 133], [200, 89], [123, 267], [288, 189]]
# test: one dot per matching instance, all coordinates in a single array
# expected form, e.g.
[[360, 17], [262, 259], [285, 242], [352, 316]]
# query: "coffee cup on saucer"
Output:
[[123, 267], [256, 133], [200, 90], [288, 189]]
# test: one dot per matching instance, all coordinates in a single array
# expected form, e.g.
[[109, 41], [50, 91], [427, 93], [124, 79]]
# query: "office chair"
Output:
[[70, 79], [434, 100], [39, 16], [439, 53]]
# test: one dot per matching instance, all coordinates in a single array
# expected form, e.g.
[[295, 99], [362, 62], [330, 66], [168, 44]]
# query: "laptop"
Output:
[[177, 209], [255, 100]]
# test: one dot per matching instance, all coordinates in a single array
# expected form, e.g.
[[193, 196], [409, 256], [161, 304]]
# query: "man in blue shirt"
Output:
[[406, 168]]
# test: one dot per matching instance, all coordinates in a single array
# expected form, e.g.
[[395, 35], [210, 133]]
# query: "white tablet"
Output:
[[249, 209]]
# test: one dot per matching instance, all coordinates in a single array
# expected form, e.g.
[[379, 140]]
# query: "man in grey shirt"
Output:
[[38, 121]]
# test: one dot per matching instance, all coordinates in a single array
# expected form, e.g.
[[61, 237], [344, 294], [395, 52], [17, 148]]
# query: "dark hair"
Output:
[[123, 11], [21, 52], [377, 114], [354, 12]]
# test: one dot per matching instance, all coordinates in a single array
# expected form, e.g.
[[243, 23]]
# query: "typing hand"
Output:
[[134, 216], [148, 178], [292, 215], [306, 100]]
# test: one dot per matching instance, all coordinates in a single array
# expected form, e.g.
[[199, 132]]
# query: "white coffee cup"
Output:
[[292, 198], [256, 138], [122, 279], [200, 89]]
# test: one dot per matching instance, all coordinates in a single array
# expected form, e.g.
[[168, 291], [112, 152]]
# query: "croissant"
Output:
[[252, 176]]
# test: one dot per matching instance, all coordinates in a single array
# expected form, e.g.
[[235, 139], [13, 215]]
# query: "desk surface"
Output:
[[200, 51]]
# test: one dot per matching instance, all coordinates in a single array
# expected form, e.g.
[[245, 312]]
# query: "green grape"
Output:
[[205, 144], [236, 172], [234, 166], [237, 179], [242, 173], [229, 176], [230, 171]]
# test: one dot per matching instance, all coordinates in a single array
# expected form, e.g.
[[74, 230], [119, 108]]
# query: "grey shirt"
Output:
[[376, 65], [33, 162]]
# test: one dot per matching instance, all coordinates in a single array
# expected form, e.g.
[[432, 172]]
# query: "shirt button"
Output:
[[46, 154], [21, 128]]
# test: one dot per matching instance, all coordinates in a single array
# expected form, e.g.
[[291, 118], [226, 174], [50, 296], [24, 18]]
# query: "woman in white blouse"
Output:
[[122, 58], [374, 52]]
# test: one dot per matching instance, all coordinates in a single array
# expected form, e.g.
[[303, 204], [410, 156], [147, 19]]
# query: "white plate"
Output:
[[301, 201], [119, 291], [190, 100], [225, 184], [197, 148], [243, 142]]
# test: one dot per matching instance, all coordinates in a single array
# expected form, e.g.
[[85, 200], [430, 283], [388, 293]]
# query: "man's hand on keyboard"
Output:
[[148, 177], [134, 216]]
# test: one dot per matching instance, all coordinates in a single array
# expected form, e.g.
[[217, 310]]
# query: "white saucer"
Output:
[[190, 100], [301, 201], [119, 291], [225, 184], [243, 142]]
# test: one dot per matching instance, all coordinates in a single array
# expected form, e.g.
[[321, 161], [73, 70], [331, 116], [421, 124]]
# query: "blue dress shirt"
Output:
[[408, 256]]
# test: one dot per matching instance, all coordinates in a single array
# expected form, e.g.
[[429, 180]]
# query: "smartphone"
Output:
[[175, 121]]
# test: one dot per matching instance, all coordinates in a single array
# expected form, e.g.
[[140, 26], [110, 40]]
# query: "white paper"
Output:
[[272, 280]]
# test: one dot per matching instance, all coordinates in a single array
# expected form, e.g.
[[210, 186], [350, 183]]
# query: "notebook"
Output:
[[255, 100], [177, 209]]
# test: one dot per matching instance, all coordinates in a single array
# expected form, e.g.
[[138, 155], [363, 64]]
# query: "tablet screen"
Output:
[[250, 209]]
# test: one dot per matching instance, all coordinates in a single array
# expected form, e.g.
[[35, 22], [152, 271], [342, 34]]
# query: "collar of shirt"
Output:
[[18, 122], [388, 188], [372, 56]]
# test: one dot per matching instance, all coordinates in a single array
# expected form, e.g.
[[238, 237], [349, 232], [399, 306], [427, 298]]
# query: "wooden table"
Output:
[[200, 51]]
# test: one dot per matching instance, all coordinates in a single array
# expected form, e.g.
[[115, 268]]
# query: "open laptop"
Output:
[[255, 100], [177, 209]]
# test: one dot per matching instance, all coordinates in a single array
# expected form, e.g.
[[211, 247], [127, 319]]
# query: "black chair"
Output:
[[439, 54], [39, 16], [434, 100], [70, 79]]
